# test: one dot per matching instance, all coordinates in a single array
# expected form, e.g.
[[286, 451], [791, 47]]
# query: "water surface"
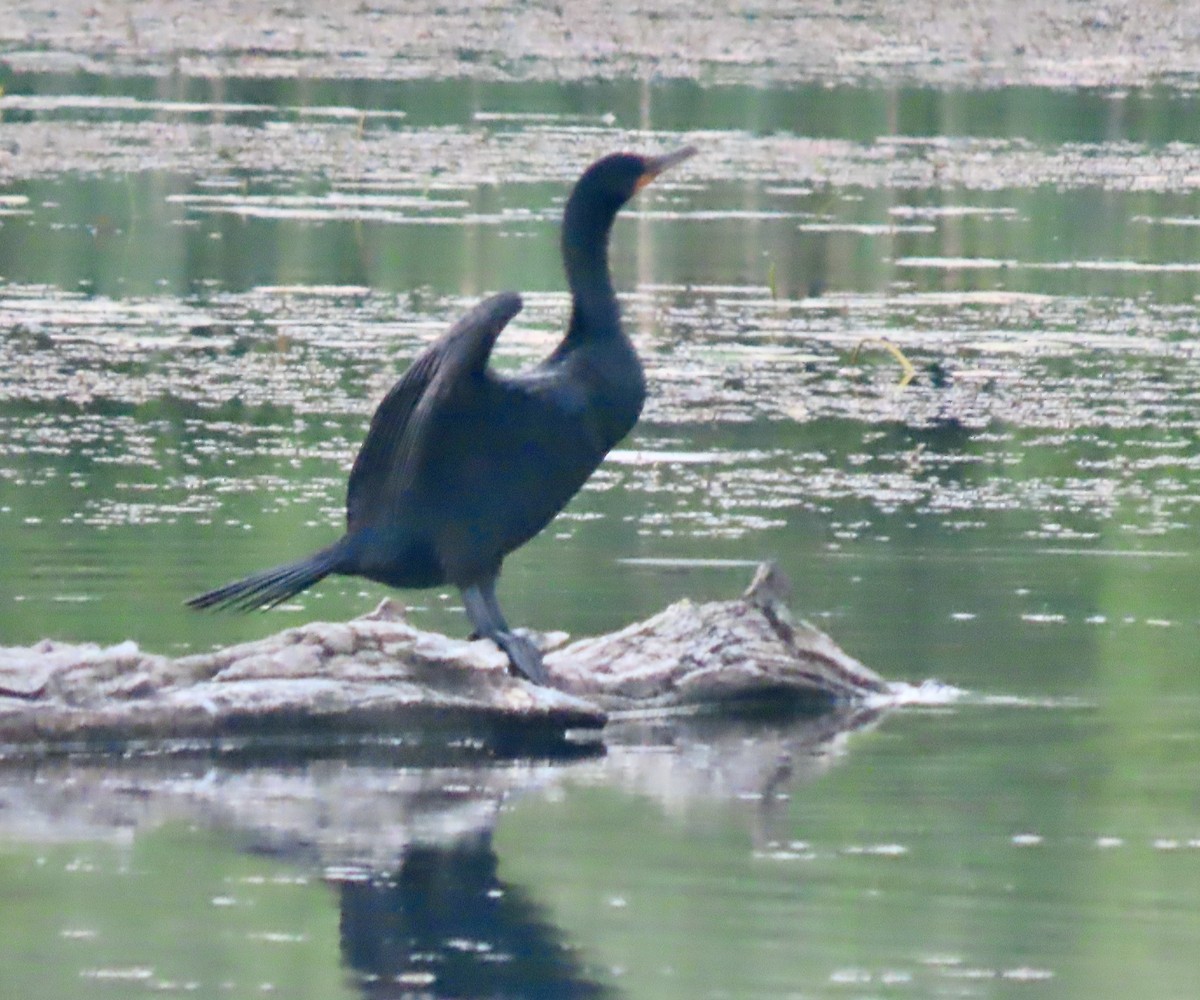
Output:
[[205, 289]]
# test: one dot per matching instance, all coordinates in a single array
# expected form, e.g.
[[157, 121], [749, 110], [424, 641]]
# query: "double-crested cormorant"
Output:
[[462, 465]]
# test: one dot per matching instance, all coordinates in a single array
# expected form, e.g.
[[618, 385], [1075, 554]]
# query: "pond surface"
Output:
[[207, 284]]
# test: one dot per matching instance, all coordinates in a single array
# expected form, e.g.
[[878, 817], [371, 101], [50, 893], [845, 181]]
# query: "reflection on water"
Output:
[[423, 905], [985, 850], [206, 285], [444, 922]]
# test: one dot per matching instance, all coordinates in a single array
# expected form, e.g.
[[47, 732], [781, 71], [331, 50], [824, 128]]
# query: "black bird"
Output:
[[462, 465]]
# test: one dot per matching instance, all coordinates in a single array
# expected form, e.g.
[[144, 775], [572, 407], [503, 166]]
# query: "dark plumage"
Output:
[[462, 465]]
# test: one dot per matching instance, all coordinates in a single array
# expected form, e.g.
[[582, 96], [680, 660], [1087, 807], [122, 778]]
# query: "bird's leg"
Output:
[[524, 658]]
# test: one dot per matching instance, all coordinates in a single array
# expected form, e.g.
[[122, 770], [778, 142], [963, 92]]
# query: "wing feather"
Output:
[[391, 452]]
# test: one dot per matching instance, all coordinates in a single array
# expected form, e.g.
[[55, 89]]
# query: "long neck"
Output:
[[586, 227], [602, 361]]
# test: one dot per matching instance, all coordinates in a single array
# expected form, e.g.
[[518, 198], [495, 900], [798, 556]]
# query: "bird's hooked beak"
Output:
[[655, 165]]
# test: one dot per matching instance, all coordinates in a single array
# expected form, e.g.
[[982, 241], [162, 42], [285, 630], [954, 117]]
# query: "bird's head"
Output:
[[615, 179]]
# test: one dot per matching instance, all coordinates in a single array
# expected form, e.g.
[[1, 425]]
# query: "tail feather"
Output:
[[272, 586]]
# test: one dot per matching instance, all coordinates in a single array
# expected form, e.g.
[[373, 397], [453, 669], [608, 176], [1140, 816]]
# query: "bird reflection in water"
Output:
[[445, 925]]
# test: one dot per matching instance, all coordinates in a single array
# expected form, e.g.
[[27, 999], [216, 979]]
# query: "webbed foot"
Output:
[[524, 658]]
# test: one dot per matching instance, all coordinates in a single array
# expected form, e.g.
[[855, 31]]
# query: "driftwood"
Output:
[[379, 677]]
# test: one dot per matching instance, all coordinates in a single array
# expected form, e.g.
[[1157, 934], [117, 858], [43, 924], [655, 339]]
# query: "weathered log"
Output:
[[379, 676], [691, 655]]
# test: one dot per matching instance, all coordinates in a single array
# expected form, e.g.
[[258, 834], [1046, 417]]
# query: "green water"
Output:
[[199, 309]]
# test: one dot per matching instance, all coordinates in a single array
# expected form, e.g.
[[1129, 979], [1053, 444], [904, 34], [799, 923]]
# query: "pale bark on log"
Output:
[[379, 676]]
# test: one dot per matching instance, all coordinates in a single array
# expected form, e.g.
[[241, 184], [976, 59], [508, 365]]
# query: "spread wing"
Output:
[[391, 452]]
